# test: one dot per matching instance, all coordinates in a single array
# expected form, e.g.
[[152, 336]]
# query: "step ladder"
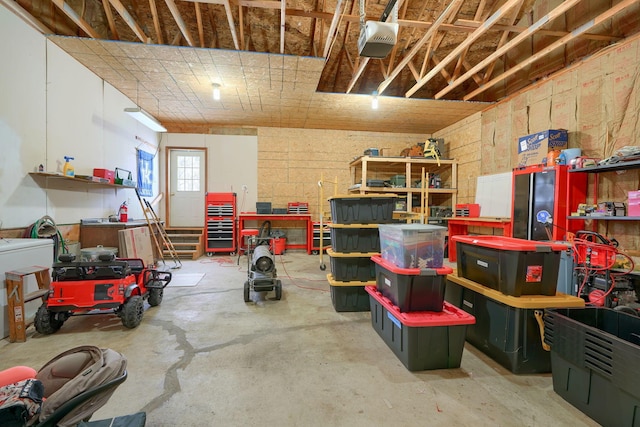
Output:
[[16, 298], [154, 222]]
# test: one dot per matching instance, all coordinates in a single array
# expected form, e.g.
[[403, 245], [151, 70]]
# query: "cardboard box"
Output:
[[136, 243], [633, 207], [532, 149]]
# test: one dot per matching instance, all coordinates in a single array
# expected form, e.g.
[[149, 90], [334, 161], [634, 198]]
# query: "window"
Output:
[[188, 173]]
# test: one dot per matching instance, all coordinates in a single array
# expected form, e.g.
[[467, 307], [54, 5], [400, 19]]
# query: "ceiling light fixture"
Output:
[[145, 118], [374, 100], [216, 91]]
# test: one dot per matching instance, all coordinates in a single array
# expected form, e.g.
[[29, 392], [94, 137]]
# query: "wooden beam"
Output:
[[156, 21], [549, 17], [199, 23], [124, 13], [356, 75], [332, 29], [502, 10], [283, 16], [71, 14], [615, 9], [416, 48], [232, 24], [241, 26], [112, 23], [171, 4]]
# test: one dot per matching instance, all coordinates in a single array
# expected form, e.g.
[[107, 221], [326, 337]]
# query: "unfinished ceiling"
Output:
[[296, 63]]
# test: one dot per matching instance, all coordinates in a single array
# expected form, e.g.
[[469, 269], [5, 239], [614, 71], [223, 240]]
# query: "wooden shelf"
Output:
[[39, 176]]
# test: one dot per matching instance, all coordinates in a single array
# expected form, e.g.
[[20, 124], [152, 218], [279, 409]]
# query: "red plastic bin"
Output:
[[411, 289], [422, 340], [510, 265]]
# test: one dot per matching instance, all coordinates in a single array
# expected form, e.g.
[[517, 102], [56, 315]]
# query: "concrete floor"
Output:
[[205, 357]]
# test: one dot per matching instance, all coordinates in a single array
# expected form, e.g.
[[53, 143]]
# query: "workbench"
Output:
[[460, 226], [252, 220]]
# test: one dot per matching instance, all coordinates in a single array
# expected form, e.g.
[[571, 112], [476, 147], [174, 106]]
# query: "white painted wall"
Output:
[[232, 163], [52, 106]]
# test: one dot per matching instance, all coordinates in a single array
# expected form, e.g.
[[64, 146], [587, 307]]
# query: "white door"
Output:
[[186, 187]]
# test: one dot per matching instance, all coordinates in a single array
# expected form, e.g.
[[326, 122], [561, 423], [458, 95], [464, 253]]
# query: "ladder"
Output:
[[154, 222]]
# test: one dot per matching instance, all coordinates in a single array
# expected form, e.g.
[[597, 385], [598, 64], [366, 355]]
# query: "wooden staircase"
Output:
[[188, 242]]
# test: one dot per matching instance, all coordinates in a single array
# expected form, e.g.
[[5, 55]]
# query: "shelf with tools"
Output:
[[68, 181], [404, 176], [619, 212]]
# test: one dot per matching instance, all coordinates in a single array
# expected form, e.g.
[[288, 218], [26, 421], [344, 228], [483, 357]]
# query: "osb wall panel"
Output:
[[291, 162], [598, 102], [464, 142]]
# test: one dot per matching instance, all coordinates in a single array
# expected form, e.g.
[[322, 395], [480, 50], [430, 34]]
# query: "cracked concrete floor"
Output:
[[205, 357]]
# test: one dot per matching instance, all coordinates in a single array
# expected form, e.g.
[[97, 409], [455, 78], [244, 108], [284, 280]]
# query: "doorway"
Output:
[[186, 184]]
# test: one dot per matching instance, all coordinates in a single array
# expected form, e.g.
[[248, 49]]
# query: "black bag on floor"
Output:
[[20, 402]]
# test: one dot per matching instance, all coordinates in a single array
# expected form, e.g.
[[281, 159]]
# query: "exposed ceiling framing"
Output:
[[295, 63]]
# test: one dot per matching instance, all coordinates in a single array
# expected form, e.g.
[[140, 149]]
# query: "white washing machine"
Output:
[[16, 254]]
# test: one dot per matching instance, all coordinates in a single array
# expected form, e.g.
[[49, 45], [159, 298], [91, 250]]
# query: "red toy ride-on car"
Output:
[[112, 285]]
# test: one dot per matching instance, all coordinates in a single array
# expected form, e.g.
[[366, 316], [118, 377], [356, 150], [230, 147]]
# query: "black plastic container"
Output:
[[359, 238], [352, 267], [362, 209], [595, 360], [422, 340], [348, 297], [506, 328], [512, 266], [411, 289]]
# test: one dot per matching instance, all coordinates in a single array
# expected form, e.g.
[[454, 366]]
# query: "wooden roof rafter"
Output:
[[502, 50], [502, 11], [112, 23], [416, 47], [177, 16], [591, 23], [77, 19], [130, 21]]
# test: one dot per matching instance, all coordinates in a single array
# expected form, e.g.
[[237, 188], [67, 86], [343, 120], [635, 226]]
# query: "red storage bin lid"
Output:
[[449, 316], [411, 271], [510, 243]]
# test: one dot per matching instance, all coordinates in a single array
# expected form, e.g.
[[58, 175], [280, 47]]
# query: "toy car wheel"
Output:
[[155, 296], [247, 292], [132, 311], [45, 321], [278, 290]]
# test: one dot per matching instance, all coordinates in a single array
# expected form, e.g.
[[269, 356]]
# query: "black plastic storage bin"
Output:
[[347, 297], [358, 238], [411, 289], [512, 266], [362, 208], [506, 328], [595, 361], [422, 340], [352, 267]]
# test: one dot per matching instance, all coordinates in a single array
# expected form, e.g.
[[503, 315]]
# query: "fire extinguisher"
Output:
[[122, 212]]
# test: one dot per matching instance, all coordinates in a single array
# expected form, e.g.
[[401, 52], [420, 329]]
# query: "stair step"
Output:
[[184, 235], [176, 244]]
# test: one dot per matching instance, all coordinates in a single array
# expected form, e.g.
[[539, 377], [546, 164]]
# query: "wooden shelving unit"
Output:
[[366, 168]]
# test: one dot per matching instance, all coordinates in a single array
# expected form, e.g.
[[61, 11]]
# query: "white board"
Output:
[[494, 195]]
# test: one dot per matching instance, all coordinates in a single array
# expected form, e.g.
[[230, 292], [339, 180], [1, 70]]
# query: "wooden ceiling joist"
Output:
[[77, 19], [549, 17], [156, 21], [199, 23], [173, 8], [112, 23], [416, 48], [124, 13], [332, 29], [614, 10], [502, 11], [283, 16]]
